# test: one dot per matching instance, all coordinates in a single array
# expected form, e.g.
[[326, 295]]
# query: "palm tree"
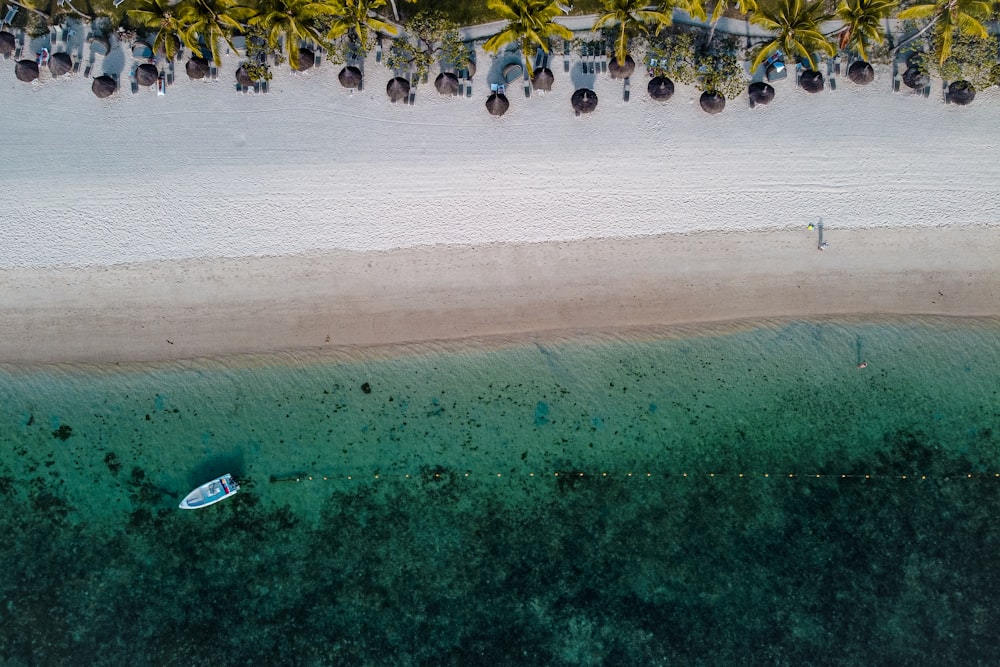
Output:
[[950, 17], [211, 21], [630, 17], [159, 15], [529, 22], [292, 20], [863, 23], [745, 6], [356, 18], [797, 25]]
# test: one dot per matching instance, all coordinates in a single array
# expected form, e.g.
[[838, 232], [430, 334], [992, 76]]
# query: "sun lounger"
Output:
[[378, 50], [11, 13], [527, 90], [213, 72], [627, 90], [927, 91], [468, 89], [239, 87]]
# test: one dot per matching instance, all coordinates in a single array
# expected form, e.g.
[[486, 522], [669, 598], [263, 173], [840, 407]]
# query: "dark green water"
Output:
[[741, 497]]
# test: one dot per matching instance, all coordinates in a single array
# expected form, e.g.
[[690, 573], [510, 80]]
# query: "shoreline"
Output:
[[166, 311]]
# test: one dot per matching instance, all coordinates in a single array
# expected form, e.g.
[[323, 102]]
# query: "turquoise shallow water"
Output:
[[740, 496]]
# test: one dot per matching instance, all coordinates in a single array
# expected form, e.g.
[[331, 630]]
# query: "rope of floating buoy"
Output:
[[629, 475]]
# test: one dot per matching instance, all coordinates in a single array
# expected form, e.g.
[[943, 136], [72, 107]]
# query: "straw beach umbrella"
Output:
[[60, 63], [584, 100], [146, 74], [861, 73], [196, 68], [243, 77], [446, 83], [397, 89], [7, 43], [915, 79], [811, 81], [760, 92], [104, 86], [660, 88], [497, 104], [306, 59], [543, 79], [350, 77], [26, 70], [961, 92], [621, 71], [712, 102]]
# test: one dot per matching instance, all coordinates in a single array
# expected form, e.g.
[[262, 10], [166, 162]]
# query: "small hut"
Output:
[[7, 43], [543, 79], [497, 104], [660, 88], [350, 77], [446, 83], [916, 78], [811, 81], [397, 89], [60, 63], [103, 86], [760, 93], [26, 70], [712, 101], [621, 71], [961, 92], [584, 100], [197, 68], [243, 77], [146, 74], [306, 59], [861, 73]]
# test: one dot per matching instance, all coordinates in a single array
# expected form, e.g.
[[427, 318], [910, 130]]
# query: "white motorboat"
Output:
[[210, 493]]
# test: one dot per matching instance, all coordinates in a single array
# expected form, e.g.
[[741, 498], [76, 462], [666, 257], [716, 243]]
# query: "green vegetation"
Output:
[[529, 22], [950, 18]]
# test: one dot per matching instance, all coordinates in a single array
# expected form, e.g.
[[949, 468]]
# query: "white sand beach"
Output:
[[311, 216]]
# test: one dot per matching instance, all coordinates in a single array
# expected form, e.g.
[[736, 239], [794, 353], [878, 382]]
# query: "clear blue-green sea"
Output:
[[741, 495]]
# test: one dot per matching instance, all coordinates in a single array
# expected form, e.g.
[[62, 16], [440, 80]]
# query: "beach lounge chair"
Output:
[[239, 87], [264, 86], [627, 90], [11, 13], [378, 50]]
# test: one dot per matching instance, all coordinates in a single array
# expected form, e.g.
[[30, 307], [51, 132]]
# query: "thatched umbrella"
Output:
[[446, 83], [397, 89], [712, 102], [100, 45], [543, 79], [861, 73], [103, 86], [621, 71], [811, 81], [497, 104], [660, 88], [915, 79], [197, 68], [306, 59], [7, 43], [961, 92], [26, 70], [350, 77], [146, 74], [60, 63], [584, 100], [243, 77], [760, 92]]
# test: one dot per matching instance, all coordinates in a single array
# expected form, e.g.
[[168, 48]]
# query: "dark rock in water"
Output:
[[63, 432], [114, 465], [366, 388]]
